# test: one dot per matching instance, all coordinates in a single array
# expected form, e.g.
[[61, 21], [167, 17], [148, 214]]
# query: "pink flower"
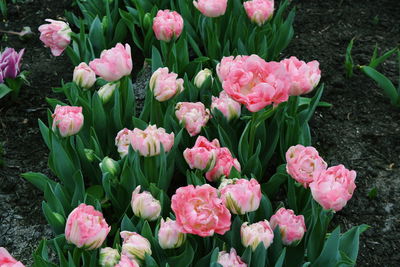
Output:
[[230, 259], [68, 120], [211, 8], [170, 234], [6, 260], [135, 246], [84, 76], [144, 205], [253, 234], [292, 227], [259, 11], [56, 35], [148, 142], [123, 141], [223, 165], [10, 63], [240, 195], [304, 76], [167, 25], [304, 164], [253, 82], [199, 211], [334, 187], [165, 85], [86, 227], [203, 155], [193, 116], [114, 63], [127, 262], [229, 107]]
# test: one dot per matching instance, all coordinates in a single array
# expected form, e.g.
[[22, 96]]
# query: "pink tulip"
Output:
[[253, 82], [199, 211], [68, 120], [334, 187], [165, 85], [144, 205], [170, 234], [127, 262], [148, 142], [230, 259], [10, 63], [304, 164], [108, 257], [114, 63], [56, 35], [135, 246], [304, 76], [6, 260], [123, 141], [211, 8], [253, 234], [193, 116], [203, 155], [229, 107], [84, 76], [292, 227], [240, 195], [86, 227], [167, 25], [259, 11], [223, 165]]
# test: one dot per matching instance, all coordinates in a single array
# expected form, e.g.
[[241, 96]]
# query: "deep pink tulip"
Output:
[[292, 227], [68, 120], [167, 25]]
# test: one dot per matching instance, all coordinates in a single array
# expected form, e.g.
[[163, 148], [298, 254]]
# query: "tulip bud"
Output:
[[170, 234], [107, 91], [147, 21], [193, 116], [259, 11], [68, 120], [292, 227], [202, 76], [230, 259], [89, 153], [252, 235], [109, 165], [211, 8], [167, 25], [145, 206], [108, 257], [165, 85], [228, 107], [84, 76], [135, 246]]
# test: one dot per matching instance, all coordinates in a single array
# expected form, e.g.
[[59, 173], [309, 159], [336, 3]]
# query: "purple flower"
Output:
[[10, 63]]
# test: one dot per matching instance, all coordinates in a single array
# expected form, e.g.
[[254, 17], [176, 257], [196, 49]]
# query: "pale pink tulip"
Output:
[[165, 85], [170, 234], [84, 76], [202, 155], [211, 8], [68, 120], [86, 227], [114, 63], [144, 205], [148, 142], [240, 195], [108, 257], [167, 25], [199, 211], [252, 235], [56, 36], [135, 246], [292, 227], [123, 141], [6, 260], [229, 107], [202, 76], [259, 11], [230, 259], [334, 187], [304, 164], [223, 165], [127, 262], [193, 116], [304, 76]]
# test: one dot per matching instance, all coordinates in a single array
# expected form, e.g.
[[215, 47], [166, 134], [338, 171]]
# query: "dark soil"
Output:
[[361, 131]]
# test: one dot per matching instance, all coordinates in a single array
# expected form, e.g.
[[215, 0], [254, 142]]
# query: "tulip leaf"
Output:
[[183, 259], [349, 241], [281, 259], [330, 253], [4, 90], [39, 180]]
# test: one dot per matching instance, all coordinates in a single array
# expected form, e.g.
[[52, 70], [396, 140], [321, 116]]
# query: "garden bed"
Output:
[[361, 130]]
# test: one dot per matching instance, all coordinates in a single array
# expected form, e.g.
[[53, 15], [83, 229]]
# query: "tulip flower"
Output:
[[211, 8], [68, 120], [109, 257], [223, 165], [6, 260], [292, 227], [10, 64], [165, 85], [127, 262], [167, 25], [259, 11], [193, 116], [107, 91], [202, 156], [135, 246], [170, 234], [84, 76], [230, 259], [144, 205], [229, 107], [56, 36], [254, 234], [202, 76], [123, 141], [148, 142]]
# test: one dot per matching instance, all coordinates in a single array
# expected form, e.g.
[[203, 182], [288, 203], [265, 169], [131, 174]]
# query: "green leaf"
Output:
[[156, 61], [183, 259], [96, 191], [96, 35], [281, 259], [330, 253], [4, 90], [349, 65], [349, 241], [39, 180]]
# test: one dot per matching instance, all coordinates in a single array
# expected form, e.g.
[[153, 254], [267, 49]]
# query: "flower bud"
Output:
[[108, 257], [167, 25], [135, 246], [147, 21], [253, 234], [144, 205], [84, 76], [170, 234], [229, 107], [230, 259], [86, 227], [109, 165], [292, 227], [89, 154], [68, 120], [193, 116], [259, 11], [107, 91], [165, 85], [202, 76], [201, 156]]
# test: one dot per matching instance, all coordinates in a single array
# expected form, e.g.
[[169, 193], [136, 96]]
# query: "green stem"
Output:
[[253, 130], [77, 256]]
